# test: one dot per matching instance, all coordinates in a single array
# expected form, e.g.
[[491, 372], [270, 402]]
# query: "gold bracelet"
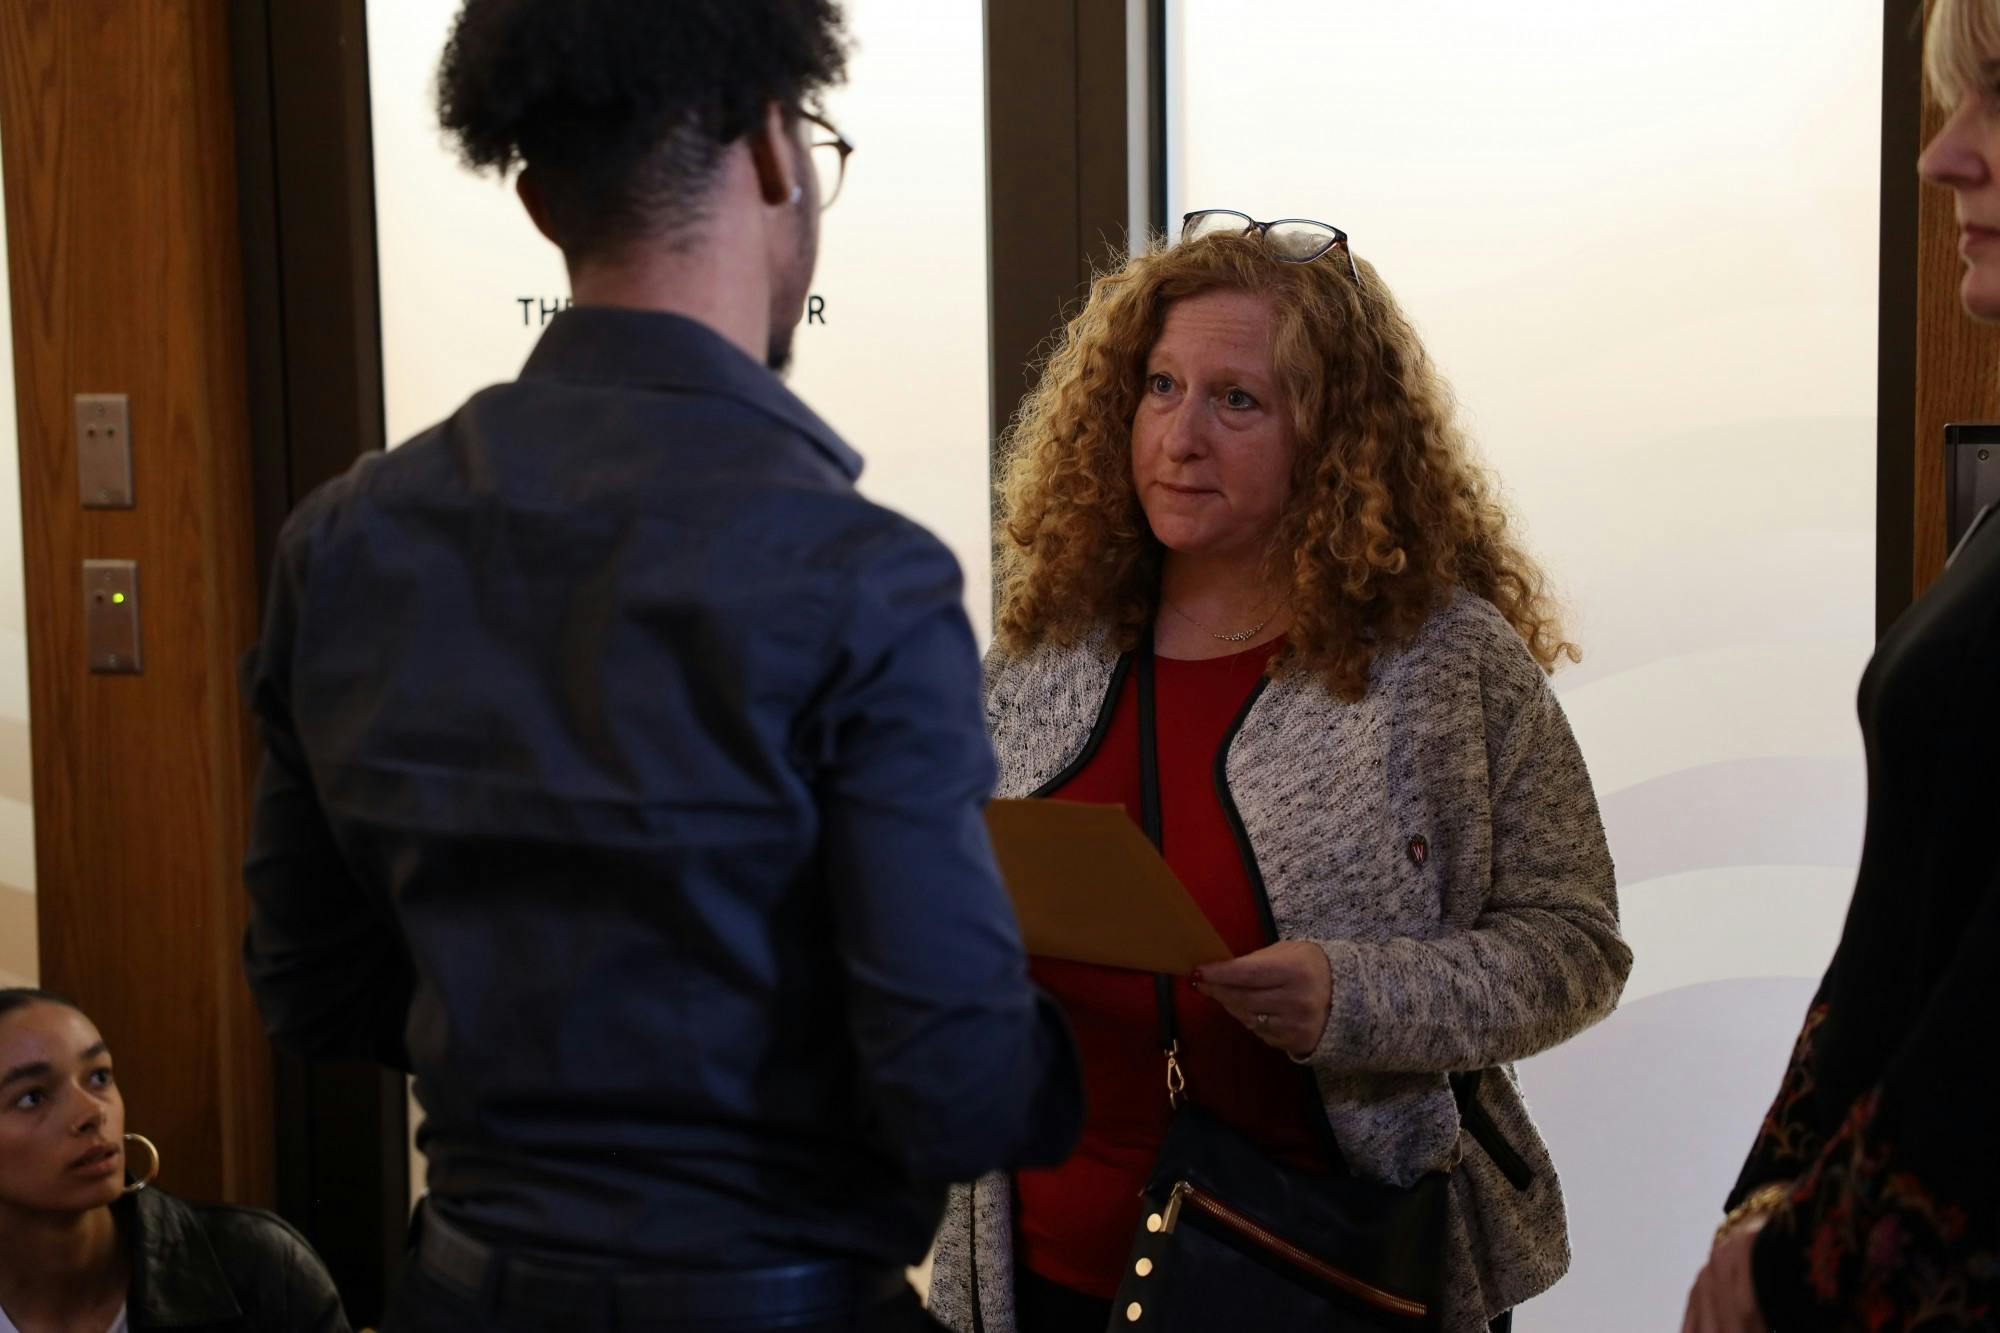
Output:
[[1760, 1202]]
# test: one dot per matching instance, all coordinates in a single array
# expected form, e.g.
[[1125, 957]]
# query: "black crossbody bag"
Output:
[[1232, 1238]]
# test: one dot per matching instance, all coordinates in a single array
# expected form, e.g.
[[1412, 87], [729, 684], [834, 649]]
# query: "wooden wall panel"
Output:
[[122, 231], [1058, 180], [305, 186], [1958, 365], [1896, 308]]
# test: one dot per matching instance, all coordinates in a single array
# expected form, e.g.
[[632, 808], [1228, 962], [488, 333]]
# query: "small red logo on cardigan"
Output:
[[1420, 852]]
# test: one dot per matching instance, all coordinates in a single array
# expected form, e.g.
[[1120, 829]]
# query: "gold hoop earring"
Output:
[[134, 1187]]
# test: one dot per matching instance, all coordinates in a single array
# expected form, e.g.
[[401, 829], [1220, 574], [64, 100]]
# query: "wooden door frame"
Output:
[[1076, 161], [1896, 344], [306, 195], [124, 278]]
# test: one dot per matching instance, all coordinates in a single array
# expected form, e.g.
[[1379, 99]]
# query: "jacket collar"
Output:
[[657, 350], [1040, 707], [176, 1278]]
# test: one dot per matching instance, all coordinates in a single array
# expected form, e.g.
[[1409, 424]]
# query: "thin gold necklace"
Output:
[[1239, 637]]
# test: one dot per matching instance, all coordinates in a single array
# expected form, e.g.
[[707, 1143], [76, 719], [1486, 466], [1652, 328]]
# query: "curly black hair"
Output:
[[623, 107]]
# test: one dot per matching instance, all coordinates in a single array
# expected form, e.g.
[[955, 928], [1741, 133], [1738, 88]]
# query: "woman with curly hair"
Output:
[[1870, 1199], [1239, 482]]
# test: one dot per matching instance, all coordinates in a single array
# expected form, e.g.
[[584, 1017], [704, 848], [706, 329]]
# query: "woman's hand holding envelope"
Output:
[[1281, 993]]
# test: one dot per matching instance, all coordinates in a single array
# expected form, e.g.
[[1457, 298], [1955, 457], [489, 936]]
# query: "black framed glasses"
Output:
[[1294, 240], [830, 151]]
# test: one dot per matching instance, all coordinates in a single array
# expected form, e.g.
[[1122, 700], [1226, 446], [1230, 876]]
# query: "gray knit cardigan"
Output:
[[1497, 940]]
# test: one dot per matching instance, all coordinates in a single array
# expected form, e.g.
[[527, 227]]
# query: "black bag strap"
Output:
[[1149, 820], [1149, 752], [1486, 1131]]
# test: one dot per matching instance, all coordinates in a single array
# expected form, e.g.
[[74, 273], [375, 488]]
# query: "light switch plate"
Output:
[[104, 450], [111, 614]]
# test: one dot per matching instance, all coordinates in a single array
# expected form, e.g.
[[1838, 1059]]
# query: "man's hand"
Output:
[[1280, 993], [1724, 1299]]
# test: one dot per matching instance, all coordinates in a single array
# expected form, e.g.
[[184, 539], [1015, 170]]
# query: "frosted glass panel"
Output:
[[895, 359], [17, 817], [1640, 239]]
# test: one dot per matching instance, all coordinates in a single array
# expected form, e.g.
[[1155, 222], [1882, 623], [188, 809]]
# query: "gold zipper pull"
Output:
[[1172, 1213]]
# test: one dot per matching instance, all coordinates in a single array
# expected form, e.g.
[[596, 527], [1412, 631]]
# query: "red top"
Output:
[[1076, 1221]]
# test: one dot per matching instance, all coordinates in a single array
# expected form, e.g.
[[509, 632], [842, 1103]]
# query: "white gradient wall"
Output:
[[898, 368], [17, 822], [1640, 239]]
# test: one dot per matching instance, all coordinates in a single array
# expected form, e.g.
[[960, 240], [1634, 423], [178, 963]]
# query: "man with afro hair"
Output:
[[623, 767]]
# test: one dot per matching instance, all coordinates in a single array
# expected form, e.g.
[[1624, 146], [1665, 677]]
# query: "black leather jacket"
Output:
[[218, 1269]]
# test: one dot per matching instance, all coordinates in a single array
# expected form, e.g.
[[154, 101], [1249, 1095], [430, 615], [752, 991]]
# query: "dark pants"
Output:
[[1042, 1306], [423, 1304]]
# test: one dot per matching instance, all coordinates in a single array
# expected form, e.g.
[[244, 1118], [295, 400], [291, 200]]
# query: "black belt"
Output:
[[637, 1299]]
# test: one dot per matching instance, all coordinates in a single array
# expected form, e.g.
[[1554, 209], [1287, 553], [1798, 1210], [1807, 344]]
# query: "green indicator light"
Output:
[[118, 597]]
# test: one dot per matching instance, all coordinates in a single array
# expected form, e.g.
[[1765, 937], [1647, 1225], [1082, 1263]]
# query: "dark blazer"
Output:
[[217, 1269], [1884, 1123]]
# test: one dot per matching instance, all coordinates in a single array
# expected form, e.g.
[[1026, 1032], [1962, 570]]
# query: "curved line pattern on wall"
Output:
[[1649, 1116], [1800, 810]]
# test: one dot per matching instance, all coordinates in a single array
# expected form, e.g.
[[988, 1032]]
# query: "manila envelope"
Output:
[[1088, 887]]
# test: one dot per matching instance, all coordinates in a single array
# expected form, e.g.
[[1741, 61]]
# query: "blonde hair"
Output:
[[1389, 511], [1961, 42]]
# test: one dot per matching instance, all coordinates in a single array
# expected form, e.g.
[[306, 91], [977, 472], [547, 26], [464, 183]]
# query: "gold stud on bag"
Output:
[[1200, 1262]]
